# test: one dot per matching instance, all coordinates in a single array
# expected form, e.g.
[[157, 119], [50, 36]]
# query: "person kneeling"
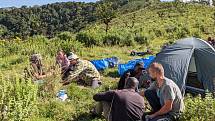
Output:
[[121, 105], [83, 71], [164, 96]]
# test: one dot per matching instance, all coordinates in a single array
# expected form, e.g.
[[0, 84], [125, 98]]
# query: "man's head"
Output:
[[139, 67], [131, 83], [61, 54], [73, 58], [35, 59], [156, 71], [209, 38]]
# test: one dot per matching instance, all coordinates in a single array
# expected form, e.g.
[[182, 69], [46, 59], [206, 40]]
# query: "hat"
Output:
[[72, 56], [140, 65], [35, 57]]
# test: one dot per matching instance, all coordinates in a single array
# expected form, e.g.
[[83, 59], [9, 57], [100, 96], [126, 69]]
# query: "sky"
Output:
[[19, 3]]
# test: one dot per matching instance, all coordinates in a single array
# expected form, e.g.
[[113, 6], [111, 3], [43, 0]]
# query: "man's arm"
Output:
[[164, 110], [168, 96], [106, 96]]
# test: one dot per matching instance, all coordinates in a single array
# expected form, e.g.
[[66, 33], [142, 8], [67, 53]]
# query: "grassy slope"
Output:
[[146, 20], [163, 22]]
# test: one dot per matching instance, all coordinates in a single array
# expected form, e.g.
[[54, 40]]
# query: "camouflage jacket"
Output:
[[83, 70]]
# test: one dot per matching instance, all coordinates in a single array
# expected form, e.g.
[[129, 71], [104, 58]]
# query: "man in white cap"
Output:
[[82, 71]]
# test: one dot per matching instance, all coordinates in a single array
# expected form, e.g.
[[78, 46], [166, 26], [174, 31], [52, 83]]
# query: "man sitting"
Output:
[[36, 70], [121, 105], [82, 71], [163, 95], [138, 72], [62, 61]]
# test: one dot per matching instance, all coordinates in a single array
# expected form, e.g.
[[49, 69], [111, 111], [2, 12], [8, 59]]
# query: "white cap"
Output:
[[72, 56]]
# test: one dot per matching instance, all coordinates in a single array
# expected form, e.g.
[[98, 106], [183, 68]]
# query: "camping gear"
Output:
[[122, 68], [105, 63], [187, 57], [112, 62], [100, 64], [62, 95], [135, 53]]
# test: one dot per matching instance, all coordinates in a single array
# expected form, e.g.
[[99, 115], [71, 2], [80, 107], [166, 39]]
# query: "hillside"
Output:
[[136, 25], [156, 24]]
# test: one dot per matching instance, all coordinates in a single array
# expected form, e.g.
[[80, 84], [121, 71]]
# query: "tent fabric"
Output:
[[103, 64], [122, 68], [177, 57]]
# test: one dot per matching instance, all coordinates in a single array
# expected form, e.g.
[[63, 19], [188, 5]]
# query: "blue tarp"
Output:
[[122, 68], [105, 63]]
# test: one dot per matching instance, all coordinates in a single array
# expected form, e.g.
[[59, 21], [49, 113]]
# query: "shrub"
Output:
[[128, 40], [18, 98], [199, 109], [141, 39], [111, 40], [66, 36], [87, 39]]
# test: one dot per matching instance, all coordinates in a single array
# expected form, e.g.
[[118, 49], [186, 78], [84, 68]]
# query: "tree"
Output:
[[106, 13], [3, 30]]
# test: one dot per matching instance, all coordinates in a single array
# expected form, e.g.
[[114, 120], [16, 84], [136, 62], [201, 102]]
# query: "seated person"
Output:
[[139, 72], [35, 71], [62, 61], [82, 71], [164, 96], [121, 105]]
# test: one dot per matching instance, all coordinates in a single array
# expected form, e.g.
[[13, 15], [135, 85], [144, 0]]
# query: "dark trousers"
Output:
[[154, 102]]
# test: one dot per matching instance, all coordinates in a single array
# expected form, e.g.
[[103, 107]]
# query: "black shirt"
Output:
[[121, 83], [127, 104]]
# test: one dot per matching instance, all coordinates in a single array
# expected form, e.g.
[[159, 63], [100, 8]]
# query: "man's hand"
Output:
[[142, 93], [152, 116], [165, 109]]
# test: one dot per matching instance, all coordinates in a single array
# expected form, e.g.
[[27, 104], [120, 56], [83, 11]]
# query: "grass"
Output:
[[159, 24]]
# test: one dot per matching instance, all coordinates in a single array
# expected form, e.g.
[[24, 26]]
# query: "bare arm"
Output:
[[165, 109]]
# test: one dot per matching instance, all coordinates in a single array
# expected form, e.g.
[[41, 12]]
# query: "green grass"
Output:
[[155, 25]]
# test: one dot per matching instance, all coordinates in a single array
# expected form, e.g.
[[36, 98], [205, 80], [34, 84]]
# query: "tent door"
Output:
[[192, 83]]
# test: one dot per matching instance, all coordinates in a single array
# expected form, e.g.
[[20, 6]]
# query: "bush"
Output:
[[66, 36], [87, 39], [199, 109], [18, 99], [111, 40], [128, 40], [141, 39]]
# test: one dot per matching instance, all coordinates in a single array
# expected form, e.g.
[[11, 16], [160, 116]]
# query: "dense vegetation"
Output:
[[50, 19], [134, 25]]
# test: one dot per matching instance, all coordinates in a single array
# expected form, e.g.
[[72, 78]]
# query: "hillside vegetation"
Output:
[[135, 25]]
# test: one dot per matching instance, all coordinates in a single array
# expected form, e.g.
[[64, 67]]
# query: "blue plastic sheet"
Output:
[[122, 68], [105, 63], [100, 64]]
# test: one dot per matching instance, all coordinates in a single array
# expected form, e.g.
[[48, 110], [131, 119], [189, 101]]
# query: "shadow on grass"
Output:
[[87, 117], [113, 74]]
